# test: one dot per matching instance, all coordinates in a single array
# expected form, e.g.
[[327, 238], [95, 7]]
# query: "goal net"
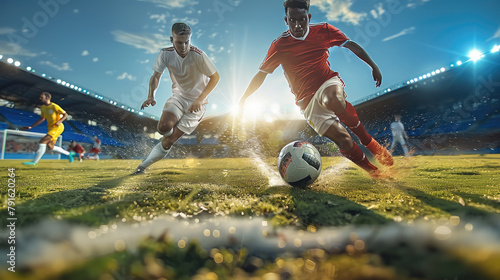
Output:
[[19, 144]]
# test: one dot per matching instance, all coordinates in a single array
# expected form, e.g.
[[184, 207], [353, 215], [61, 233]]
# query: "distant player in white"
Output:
[[399, 135], [193, 77]]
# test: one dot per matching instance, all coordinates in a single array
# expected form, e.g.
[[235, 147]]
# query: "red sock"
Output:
[[350, 118], [358, 157]]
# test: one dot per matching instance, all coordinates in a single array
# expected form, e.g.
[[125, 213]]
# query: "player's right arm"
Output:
[[33, 125], [154, 82], [270, 63], [254, 85]]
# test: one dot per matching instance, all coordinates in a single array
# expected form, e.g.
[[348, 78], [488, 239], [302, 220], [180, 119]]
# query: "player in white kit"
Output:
[[193, 77], [399, 135]]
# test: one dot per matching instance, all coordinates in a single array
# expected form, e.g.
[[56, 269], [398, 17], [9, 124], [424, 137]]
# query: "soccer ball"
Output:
[[299, 163]]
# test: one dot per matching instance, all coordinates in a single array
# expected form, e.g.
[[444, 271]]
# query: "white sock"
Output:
[[156, 154], [39, 153], [60, 150]]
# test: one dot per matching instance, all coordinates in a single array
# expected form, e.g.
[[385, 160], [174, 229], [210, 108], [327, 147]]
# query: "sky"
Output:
[[109, 46]]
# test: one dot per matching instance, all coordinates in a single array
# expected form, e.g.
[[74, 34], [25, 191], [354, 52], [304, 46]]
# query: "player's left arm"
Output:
[[64, 116], [363, 55], [212, 83]]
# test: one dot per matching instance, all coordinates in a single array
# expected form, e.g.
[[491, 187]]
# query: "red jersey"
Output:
[[304, 61], [77, 149]]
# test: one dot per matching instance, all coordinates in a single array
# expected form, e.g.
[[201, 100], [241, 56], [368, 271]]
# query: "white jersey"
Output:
[[189, 75], [97, 144], [397, 128]]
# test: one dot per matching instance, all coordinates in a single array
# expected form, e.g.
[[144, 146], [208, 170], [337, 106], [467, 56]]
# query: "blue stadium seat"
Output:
[[491, 124], [20, 118], [188, 140], [90, 131]]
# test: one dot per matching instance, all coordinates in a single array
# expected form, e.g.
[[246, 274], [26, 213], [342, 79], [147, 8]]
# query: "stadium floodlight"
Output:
[[28, 68], [459, 63], [493, 50], [10, 60], [43, 75], [58, 81], [438, 71], [475, 55], [442, 69], [141, 113], [1, 56], [17, 63]]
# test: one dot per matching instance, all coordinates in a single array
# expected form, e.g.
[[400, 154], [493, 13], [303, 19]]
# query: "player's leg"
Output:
[[166, 126], [405, 147], [338, 134], [393, 144], [55, 133], [42, 148], [161, 149], [333, 98], [325, 123]]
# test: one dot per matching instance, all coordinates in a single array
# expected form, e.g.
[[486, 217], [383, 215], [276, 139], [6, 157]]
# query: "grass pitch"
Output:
[[96, 193]]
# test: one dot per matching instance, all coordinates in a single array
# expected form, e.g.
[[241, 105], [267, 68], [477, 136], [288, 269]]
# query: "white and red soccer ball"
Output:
[[299, 163]]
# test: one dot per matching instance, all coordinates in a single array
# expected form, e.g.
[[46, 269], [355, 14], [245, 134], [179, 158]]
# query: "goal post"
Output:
[[20, 144]]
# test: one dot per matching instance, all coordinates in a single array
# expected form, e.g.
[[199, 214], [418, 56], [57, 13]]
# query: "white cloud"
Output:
[[6, 30], [95, 59], [144, 61], [8, 48], [159, 18], [189, 21], [406, 31], [496, 35], [127, 76], [63, 67], [212, 35], [151, 43], [414, 3], [339, 10], [378, 11], [109, 72], [85, 53], [76, 11], [172, 3], [212, 48]]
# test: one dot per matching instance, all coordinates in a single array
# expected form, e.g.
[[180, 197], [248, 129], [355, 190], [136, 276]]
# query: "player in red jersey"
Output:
[[303, 52], [79, 150]]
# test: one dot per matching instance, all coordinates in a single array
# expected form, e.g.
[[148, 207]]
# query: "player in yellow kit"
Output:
[[55, 116]]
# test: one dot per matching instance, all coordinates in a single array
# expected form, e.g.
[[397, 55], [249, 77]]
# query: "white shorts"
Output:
[[319, 117], [187, 121]]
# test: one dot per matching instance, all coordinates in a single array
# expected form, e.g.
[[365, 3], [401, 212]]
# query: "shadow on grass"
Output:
[[34, 210], [452, 207], [324, 209], [479, 199]]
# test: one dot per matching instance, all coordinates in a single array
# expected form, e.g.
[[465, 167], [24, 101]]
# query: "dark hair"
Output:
[[180, 28], [46, 94], [298, 4]]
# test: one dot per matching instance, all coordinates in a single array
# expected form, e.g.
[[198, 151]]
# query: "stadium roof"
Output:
[[23, 87]]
